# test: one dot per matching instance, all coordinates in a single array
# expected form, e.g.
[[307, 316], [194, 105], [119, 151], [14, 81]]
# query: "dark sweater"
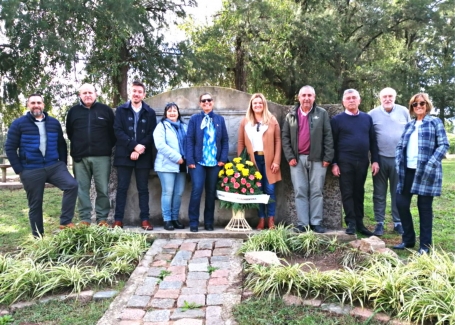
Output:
[[354, 137]]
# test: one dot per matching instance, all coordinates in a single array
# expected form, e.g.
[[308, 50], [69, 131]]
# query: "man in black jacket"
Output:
[[134, 124], [90, 127], [37, 151]]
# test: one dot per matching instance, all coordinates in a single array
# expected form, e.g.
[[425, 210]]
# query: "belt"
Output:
[[259, 153]]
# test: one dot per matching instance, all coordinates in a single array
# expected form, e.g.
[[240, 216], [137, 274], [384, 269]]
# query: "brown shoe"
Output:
[[103, 223], [70, 225], [84, 223], [271, 223], [117, 224], [261, 224], [146, 225]]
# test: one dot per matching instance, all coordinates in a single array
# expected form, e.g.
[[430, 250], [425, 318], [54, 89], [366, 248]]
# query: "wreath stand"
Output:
[[238, 222]]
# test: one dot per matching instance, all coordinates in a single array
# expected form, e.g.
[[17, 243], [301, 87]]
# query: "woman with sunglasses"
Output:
[[169, 136], [418, 162], [259, 132], [207, 146]]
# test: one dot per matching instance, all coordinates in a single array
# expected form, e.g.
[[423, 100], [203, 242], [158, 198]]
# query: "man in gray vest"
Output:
[[389, 120]]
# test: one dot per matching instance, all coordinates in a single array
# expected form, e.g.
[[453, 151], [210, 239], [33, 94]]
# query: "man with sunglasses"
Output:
[[389, 120], [134, 124], [308, 147], [354, 138]]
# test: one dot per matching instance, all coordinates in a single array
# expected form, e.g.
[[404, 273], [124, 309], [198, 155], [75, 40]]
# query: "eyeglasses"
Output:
[[416, 104], [257, 128], [208, 100]]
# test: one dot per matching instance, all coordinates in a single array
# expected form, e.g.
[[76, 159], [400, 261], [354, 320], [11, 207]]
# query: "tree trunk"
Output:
[[239, 71], [120, 78]]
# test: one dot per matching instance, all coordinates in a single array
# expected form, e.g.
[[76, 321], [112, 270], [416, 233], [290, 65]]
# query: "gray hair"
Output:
[[307, 87], [388, 89], [350, 91]]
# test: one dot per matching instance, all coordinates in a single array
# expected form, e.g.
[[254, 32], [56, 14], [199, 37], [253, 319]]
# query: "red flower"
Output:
[[226, 188], [258, 184], [243, 181], [237, 175], [236, 185], [251, 190], [225, 180], [251, 177], [243, 190], [248, 185]]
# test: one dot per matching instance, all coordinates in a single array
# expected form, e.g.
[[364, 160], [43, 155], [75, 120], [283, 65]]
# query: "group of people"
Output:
[[405, 157]]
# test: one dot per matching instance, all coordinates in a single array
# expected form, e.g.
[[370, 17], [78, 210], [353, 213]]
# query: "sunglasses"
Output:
[[416, 104], [257, 128], [208, 100]]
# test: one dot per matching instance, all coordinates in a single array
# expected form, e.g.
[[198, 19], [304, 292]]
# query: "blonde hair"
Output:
[[429, 105], [266, 115]]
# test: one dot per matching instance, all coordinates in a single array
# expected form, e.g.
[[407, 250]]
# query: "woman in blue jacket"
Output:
[[207, 147], [170, 165], [418, 162]]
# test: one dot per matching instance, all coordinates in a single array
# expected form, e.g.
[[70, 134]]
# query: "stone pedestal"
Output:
[[232, 105]]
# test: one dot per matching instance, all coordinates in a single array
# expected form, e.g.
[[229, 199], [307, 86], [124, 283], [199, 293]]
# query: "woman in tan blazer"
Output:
[[260, 133]]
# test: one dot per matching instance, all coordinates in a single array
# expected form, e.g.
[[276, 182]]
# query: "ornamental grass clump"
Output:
[[274, 240], [239, 177], [308, 243], [71, 260]]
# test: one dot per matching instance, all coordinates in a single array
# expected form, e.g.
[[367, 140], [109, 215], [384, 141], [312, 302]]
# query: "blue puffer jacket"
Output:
[[167, 144], [195, 138], [126, 142], [23, 134]]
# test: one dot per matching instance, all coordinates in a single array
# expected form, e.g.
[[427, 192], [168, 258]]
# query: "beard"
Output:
[[37, 112]]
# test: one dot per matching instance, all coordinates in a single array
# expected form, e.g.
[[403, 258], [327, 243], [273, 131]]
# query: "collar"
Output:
[[82, 103], [34, 119], [384, 110], [352, 114]]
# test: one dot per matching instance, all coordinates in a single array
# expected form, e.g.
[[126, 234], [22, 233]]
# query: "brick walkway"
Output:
[[148, 300]]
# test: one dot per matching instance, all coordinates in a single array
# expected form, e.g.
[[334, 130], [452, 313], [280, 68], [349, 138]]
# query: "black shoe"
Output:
[[364, 231], [208, 227], [398, 229], [177, 224], [168, 225], [403, 246], [319, 229], [379, 230], [350, 230], [194, 229], [300, 229]]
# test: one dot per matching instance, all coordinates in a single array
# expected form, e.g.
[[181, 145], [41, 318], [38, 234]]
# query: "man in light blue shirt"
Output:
[[389, 120]]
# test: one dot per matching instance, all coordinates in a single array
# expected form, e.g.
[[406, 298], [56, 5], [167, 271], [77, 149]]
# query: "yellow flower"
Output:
[[240, 166], [221, 174], [237, 160], [245, 172], [249, 163], [258, 175], [230, 172], [228, 165]]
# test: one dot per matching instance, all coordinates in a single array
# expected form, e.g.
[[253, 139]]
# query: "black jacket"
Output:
[[91, 130], [124, 132]]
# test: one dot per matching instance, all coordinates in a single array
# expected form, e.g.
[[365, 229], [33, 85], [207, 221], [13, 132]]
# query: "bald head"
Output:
[[87, 93]]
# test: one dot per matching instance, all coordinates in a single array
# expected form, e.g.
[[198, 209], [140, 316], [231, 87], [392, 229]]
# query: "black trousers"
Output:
[[425, 206], [352, 186]]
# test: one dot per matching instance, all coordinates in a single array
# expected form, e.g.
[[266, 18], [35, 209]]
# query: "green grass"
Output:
[[14, 223], [59, 313], [443, 210], [266, 312]]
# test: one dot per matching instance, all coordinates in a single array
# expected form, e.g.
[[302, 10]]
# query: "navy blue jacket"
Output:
[[23, 134], [195, 138], [124, 132]]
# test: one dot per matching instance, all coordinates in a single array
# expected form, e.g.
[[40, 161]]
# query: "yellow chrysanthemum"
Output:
[[258, 175], [221, 173], [240, 166], [245, 172], [249, 163], [228, 165], [229, 172], [237, 160]]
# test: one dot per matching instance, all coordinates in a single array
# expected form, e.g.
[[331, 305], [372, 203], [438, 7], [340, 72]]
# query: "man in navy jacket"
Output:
[[37, 152], [134, 124]]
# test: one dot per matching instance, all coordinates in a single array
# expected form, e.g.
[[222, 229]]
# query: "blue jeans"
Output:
[[266, 188], [425, 206], [124, 178], [172, 187], [201, 177]]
